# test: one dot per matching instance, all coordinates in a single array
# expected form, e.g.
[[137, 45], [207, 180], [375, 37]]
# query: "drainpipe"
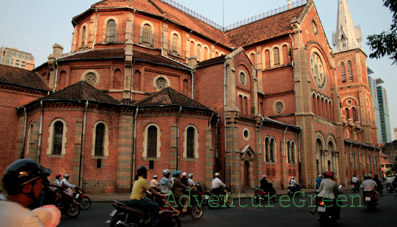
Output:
[[216, 136], [299, 155], [134, 145], [177, 138], [40, 132], [24, 132], [56, 76], [224, 113], [260, 132], [192, 83], [292, 49], [284, 166], [351, 165], [82, 147], [132, 79]]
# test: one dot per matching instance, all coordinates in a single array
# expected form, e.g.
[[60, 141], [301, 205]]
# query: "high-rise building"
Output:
[[16, 58], [395, 133], [384, 114]]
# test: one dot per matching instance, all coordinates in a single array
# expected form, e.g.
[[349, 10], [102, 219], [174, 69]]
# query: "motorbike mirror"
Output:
[[340, 186]]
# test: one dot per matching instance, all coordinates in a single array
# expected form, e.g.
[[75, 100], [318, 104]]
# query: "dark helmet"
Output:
[[141, 170], [21, 172], [329, 174]]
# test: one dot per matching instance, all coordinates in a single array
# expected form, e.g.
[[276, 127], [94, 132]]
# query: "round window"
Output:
[[318, 70], [243, 78], [314, 27], [278, 107], [90, 78], [246, 134], [161, 83]]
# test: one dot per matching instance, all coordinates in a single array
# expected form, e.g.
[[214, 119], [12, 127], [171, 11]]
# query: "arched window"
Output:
[[190, 142], [343, 71], [276, 56], [205, 53], [57, 139], [147, 35], [152, 142], [289, 151], [252, 58], [83, 34], [347, 114], [354, 114], [185, 87], [272, 150], [99, 139], [350, 70], [118, 79], [293, 152], [267, 59], [285, 54], [137, 80], [175, 44], [267, 150], [111, 31], [198, 52], [192, 48]]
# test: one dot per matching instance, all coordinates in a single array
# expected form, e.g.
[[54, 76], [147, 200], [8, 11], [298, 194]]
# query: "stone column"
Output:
[[125, 153]]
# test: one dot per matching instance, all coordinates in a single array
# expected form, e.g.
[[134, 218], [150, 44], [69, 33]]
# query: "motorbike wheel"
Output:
[[257, 198], [197, 212], [85, 203], [119, 217], [72, 210], [229, 202]]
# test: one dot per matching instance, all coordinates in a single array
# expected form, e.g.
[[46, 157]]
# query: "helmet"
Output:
[[184, 174], [329, 174], [176, 173], [320, 175], [19, 173], [155, 176], [292, 177], [58, 175], [66, 175], [166, 172], [264, 176], [217, 174], [141, 170], [190, 175]]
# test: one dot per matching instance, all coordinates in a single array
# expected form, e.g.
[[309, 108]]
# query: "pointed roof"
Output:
[[170, 97], [347, 36], [21, 78], [264, 29], [81, 91]]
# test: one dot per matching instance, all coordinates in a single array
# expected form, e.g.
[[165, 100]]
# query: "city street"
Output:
[[282, 213]]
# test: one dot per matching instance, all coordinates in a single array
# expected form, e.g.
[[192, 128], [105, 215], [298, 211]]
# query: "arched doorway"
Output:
[[246, 174], [247, 158]]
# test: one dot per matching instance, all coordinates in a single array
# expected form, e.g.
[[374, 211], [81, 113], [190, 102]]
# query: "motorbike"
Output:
[[370, 200], [195, 208], [356, 187], [213, 200], [126, 216], [83, 199], [68, 204], [261, 195], [389, 187], [327, 211], [292, 190]]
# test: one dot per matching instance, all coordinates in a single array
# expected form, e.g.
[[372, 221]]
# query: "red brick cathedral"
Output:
[[149, 83]]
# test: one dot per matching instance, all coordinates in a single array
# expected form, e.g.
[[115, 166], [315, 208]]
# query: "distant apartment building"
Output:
[[385, 128], [16, 58], [372, 84]]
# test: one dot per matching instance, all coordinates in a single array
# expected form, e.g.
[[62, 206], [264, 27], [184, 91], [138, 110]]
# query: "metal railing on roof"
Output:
[[237, 24]]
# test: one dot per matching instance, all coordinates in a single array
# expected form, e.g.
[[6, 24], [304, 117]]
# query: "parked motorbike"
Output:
[[327, 212], [370, 200], [83, 199], [356, 187], [126, 216], [213, 200]]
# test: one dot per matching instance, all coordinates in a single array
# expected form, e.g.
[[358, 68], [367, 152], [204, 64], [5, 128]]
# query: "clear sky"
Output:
[[34, 26]]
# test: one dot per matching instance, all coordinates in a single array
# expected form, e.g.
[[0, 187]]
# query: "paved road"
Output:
[[282, 213]]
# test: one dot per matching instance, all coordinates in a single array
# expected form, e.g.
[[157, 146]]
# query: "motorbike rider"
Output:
[[65, 183], [264, 184], [23, 182], [369, 186], [318, 181], [166, 183], [57, 180], [217, 185], [178, 190], [138, 195], [184, 179], [329, 190], [293, 185], [378, 183], [155, 184], [355, 180], [190, 181]]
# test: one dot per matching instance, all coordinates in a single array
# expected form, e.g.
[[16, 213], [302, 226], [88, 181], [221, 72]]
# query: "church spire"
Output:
[[347, 36]]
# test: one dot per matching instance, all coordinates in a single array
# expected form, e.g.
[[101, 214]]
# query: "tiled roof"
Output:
[[267, 28], [212, 61], [21, 78], [95, 54], [170, 97], [156, 58], [81, 91]]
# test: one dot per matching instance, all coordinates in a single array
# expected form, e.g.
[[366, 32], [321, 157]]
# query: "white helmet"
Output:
[[184, 174], [66, 175], [217, 174], [190, 175], [155, 176]]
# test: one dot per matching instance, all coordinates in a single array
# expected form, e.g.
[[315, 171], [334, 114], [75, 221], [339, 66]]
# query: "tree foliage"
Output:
[[385, 43]]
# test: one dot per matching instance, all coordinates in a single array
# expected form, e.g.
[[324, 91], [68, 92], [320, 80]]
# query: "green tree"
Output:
[[385, 43]]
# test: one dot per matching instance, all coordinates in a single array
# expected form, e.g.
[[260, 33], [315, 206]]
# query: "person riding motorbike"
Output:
[[190, 181], [155, 184], [318, 181], [178, 190], [293, 185], [355, 182], [217, 185], [65, 183], [184, 179], [264, 184], [369, 186], [23, 182], [379, 184], [138, 195], [329, 190], [166, 183]]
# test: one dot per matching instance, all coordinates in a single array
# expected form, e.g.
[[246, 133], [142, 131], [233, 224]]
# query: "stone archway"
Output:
[[247, 158]]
